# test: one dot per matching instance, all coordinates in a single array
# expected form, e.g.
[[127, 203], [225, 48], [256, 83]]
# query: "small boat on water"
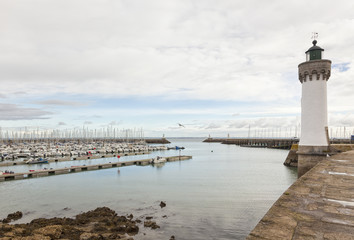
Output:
[[158, 160], [6, 172], [39, 170], [37, 161], [175, 148]]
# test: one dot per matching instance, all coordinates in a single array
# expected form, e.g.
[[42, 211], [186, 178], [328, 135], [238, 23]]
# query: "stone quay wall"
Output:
[[319, 205]]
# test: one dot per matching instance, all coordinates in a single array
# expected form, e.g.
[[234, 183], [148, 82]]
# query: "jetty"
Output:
[[278, 143], [73, 158], [319, 205], [74, 169]]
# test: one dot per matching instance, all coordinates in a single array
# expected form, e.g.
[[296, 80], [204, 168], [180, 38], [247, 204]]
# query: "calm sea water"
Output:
[[221, 193]]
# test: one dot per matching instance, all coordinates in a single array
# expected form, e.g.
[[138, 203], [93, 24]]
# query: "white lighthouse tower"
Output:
[[314, 140]]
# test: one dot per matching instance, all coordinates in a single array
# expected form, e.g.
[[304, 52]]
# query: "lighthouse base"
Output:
[[309, 156]]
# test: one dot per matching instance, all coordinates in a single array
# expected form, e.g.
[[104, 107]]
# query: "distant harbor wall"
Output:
[[279, 143], [157, 140], [319, 205]]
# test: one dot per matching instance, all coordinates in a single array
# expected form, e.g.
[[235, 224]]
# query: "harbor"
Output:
[[179, 120], [198, 192]]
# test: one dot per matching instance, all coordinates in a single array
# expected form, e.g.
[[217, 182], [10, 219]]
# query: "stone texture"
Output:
[[101, 223], [319, 205], [53, 231], [316, 67], [291, 160]]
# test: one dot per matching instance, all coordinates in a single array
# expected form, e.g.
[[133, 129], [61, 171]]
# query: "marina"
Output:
[[64, 150]]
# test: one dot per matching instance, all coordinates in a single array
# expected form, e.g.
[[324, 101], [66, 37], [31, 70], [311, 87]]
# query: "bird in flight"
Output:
[[181, 125]]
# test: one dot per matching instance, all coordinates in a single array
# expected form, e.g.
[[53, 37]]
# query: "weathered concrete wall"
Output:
[[292, 158], [319, 205]]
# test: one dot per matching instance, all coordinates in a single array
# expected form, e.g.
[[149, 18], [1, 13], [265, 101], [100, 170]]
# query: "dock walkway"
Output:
[[319, 205], [73, 158], [73, 169]]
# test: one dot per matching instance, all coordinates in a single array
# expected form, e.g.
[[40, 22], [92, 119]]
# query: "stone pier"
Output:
[[319, 205]]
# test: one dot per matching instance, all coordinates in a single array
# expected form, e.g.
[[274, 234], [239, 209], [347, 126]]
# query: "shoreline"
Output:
[[101, 223]]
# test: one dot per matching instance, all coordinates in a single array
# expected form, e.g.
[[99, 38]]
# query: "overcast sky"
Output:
[[216, 67]]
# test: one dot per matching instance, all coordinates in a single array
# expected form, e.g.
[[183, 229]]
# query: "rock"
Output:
[[53, 231], [132, 229], [101, 223], [162, 204], [148, 218], [291, 159], [172, 237], [151, 224], [5, 228], [119, 229], [90, 236], [13, 217], [99, 227], [9, 234], [19, 231], [36, 237]]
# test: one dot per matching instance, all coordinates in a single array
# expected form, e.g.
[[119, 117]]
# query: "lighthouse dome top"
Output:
[[314, 52]]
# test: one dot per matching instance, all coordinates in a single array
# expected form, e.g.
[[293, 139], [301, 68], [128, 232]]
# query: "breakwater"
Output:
[[278, 143], [319, 205], [73, 169]]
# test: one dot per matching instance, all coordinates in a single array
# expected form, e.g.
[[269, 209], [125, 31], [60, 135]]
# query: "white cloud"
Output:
[[115, 123], [16, 112], [179, 49], [59, 103]]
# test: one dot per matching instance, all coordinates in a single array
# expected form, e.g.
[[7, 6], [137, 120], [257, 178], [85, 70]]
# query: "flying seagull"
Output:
[[181, 125]]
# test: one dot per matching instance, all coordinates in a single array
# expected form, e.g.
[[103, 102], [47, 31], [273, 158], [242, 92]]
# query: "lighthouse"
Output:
[[314, 141]]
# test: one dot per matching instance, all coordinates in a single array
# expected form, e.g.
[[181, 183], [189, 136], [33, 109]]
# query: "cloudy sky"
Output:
[[216, 67]]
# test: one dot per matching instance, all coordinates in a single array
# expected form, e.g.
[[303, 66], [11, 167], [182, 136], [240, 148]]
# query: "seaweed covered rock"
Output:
[[13, 217], [101, 223]]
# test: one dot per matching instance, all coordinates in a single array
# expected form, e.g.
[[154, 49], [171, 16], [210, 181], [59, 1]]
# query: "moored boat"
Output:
[[37, 161], [158, 160], [6, 172]]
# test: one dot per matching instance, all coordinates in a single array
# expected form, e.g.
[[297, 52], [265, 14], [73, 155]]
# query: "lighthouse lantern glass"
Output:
[[315, 55]]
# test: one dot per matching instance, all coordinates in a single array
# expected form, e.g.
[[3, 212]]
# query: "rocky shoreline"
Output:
[[99, 224]]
